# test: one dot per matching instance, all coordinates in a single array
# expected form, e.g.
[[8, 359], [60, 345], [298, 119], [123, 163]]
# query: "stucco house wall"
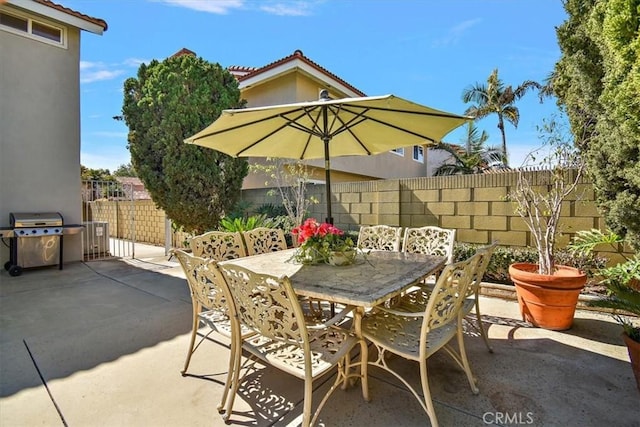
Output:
[[40, 124], [297, 79]]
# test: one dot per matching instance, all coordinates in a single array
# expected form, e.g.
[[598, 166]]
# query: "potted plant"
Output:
[[323, 242], [547, 293], [623, 289]]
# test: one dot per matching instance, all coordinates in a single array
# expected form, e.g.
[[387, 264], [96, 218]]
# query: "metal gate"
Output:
[[108, 216]]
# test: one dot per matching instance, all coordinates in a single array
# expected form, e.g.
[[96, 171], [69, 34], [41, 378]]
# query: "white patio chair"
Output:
[[262, 239], [417, 336], [269, 306], [218, 245], [380, 237], [209, 300]]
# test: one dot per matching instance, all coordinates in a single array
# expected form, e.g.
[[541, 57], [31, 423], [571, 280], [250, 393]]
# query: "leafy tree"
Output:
[[101, 183], [125, 170], [87, 174], [475, 158], [597, 80], [496, 98], [168, 102]]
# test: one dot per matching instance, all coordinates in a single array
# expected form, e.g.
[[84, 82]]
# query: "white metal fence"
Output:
[[110, 229]]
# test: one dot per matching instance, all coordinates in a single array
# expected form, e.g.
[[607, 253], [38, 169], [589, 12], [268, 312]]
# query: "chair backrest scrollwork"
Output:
[[484, 254], [266, 304], [380, 237], [205, 288], [430, 240], [449, 293], [218, 245], [262, 240]]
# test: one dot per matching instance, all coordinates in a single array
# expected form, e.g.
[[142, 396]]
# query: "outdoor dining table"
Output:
[[372, 279]]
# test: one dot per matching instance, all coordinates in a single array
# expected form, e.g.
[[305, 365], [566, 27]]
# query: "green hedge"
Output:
[[498, 269]]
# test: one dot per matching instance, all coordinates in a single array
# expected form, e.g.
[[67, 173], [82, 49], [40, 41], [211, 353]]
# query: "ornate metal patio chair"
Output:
[[218, 245], [417, 299], [269, 306], [262, 239], [430, 240], [417, 336], [473, 292], [380, 237], [209, 299]]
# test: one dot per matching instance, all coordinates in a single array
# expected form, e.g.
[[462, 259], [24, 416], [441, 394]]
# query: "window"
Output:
[[398, 151], [14, 22], [418, 153], [28, 27]]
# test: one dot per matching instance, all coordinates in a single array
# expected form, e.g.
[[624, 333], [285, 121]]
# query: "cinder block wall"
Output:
[[475, 205], [137, 220]]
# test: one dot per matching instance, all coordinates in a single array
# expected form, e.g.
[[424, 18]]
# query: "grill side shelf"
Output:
[[6, 232]]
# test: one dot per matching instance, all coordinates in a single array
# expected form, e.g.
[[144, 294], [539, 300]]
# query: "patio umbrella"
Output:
[[327, 128]]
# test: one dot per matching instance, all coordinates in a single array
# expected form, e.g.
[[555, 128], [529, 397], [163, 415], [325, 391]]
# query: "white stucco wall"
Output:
[[40, 132]]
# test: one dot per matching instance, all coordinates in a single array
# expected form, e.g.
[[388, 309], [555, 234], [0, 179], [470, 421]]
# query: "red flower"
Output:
[[317, 241], [312, 228]]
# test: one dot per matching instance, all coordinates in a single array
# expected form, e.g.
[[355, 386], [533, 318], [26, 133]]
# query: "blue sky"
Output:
[[427, 51]]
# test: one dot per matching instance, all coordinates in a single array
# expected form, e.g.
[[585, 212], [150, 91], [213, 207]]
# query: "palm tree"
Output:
[[475, 158], [496, 98]]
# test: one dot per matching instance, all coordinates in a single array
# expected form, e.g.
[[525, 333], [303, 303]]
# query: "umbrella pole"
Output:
[[327, 174], [324, 95]]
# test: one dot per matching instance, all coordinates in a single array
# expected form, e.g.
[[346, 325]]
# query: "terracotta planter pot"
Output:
[[547, 301], [634, 355]]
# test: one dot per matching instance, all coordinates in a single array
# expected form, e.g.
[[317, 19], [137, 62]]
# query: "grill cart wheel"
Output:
[[7, 265], [15, 270]]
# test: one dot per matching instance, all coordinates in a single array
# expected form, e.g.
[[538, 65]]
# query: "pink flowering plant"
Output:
[[317, 242]]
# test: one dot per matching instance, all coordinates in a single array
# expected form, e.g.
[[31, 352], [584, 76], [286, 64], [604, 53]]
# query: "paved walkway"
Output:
[[102, 343]]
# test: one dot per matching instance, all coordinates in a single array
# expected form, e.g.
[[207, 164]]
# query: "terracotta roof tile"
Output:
[[183, 51], [296, 55], [241, 68], [100, 22]]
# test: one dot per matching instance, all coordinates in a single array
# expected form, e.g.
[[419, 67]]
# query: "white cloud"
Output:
[[455, 33], [220, 7], [296, 8], [135, 62], [97, 71], [223, 7], [99, 75]]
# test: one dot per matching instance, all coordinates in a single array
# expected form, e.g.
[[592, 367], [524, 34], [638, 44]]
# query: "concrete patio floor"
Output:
[[102, 344]]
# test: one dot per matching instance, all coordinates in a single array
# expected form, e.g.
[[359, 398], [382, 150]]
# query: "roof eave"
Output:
[[49, 11], [281, 69]]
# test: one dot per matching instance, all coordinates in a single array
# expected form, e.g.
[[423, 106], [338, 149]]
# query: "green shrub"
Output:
[[240, 209], [498, 269], [244, 224], [271, 210]]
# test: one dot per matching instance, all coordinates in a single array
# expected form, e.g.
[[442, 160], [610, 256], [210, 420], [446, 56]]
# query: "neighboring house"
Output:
[[437, 158], [40, 112], [296, 78], [132, 184]]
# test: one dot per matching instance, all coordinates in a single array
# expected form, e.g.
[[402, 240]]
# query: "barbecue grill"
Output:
[[35, 240]]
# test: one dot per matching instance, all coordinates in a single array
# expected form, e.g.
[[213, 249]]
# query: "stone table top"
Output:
[[371, 280]]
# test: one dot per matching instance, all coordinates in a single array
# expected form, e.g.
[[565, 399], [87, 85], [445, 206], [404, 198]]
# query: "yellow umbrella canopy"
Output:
[[327, 128]]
